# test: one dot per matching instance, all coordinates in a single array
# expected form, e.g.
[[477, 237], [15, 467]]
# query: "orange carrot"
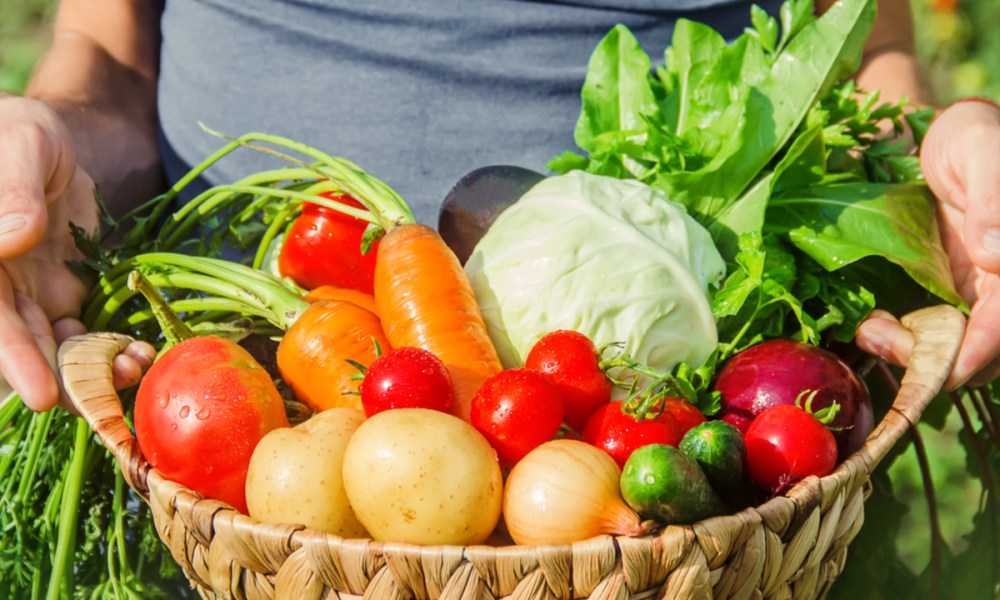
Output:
[[312, 355], [424, 299], [332, 292], [422, 294]]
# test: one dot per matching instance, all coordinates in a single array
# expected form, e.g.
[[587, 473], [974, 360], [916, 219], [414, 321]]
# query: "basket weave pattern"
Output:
[[792, 546]]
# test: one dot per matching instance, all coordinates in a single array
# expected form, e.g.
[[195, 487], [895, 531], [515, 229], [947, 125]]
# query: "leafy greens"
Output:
[[794, 171]]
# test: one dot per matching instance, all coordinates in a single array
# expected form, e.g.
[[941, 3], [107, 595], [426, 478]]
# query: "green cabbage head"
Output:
[[613, 259]]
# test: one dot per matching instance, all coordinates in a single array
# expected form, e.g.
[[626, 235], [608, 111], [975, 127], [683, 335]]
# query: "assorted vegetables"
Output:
[[633, 344], [788, 372]]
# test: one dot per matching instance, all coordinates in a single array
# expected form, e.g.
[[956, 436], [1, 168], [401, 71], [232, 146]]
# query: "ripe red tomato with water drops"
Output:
[[785, 444], [323, 247], [200, 411], [406, 377], [517, 410], [570, 359], [619, 433]]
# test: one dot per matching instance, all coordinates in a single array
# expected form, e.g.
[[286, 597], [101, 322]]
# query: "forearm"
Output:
[[103, 85], [890, 64]]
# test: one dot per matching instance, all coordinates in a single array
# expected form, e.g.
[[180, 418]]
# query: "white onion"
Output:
[[566, 491]]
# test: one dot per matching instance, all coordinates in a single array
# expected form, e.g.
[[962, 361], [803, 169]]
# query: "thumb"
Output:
[[961, 160], [36, 167], [981, 175]]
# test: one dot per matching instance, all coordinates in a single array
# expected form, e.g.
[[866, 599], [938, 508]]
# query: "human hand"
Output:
[[42, 191], [960, 158]]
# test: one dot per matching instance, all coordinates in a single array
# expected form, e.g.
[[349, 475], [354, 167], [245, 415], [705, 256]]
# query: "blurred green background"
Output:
[[961, 55]]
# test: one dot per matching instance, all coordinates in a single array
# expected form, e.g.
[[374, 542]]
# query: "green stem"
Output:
[[261, 293], [16, 487], [171, 238], [9, 411], [220, 197], [62, 559], [217, 309], [17, 425], [383, 202], [649, 402], [26, 477], [116, 539], [174, 329], [272, 232]]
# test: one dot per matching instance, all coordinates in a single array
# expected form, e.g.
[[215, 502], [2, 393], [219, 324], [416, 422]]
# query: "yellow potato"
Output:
[[423, 477], [295, 474]]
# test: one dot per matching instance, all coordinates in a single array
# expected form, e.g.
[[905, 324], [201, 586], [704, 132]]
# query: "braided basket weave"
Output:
[[792, 546]]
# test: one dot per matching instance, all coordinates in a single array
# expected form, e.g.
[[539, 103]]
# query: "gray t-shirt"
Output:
[[417, 92]]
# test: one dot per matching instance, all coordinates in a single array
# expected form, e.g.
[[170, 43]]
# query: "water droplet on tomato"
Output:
[[204, 413], [185, 411], [163, 400], [173, 426]]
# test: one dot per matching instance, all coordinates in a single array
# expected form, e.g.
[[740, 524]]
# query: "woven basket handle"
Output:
[[937, 333], [85, 365]]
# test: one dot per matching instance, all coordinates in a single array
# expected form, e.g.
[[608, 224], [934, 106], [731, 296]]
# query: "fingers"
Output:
[[36, 167], [883, 336], [977, 359], [982, 188], [129, 366], [959, 157], [27, 350]]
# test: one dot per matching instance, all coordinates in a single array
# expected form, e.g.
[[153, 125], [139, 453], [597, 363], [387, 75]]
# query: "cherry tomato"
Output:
[[199, 413], [785, 444], [517, 410], [619, 434], [569, 358], [323, 247], [406, 377]]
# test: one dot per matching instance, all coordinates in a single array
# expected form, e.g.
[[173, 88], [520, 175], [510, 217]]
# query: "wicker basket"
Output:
[[791, 546]]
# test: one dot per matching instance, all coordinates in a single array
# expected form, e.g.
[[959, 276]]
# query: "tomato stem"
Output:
[[174, 329], [647, 403]]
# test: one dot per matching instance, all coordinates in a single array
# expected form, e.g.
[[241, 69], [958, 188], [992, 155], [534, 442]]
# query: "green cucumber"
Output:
[[720, 451], [660, 482]]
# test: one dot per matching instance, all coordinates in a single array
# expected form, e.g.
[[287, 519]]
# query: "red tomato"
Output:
[[782, 371], [619, 433], [785, 444], [323, 247], [569, 358], [406, 377], [199, 413], [517, 410]]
